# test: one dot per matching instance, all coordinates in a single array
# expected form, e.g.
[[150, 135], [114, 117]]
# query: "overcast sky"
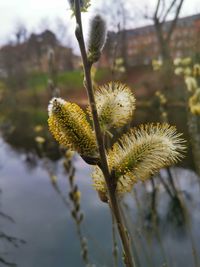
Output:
[[36, 14]]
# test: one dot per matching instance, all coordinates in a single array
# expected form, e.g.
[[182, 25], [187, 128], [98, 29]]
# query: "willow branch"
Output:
[[109, 178]]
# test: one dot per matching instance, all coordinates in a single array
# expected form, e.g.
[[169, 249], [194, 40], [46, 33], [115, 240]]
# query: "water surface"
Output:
[[43, 220]]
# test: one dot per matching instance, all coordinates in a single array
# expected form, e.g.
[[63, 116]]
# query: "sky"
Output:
[[37, 15]]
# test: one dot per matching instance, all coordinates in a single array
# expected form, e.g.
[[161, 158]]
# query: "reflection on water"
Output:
[[44, 222], [162, 215], [41, 216], [18, 129]]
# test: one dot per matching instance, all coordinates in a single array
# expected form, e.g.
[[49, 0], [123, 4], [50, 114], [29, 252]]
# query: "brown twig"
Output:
[[109, 178]]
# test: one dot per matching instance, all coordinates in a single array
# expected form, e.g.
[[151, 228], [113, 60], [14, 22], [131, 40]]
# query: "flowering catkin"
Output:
[[194, 103], [68, 124], [191, 84], [115, 105], [139, 154]]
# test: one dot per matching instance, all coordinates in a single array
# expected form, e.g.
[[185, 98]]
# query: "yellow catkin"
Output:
[[69, 126], [194, 103], [115, 105], [196, 70], [139, 154]]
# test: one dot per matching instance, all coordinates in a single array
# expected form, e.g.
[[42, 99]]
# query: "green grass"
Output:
[[69, 80], [37, 81], [102, 74], [2, 85], [39, 116]]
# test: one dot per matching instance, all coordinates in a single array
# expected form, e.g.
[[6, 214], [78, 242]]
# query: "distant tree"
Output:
[[165, 17], [119, 17], [21, 33], [12, 63], [163, 11]]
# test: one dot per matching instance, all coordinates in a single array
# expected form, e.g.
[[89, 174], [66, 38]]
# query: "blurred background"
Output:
[[50, 214]]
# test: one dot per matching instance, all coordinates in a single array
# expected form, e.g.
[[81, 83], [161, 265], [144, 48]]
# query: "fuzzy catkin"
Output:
[[96, 38], [139, 154], [115, 105], [68, 124]]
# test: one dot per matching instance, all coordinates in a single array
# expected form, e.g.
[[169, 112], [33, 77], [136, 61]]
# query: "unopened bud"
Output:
[[97, 38]]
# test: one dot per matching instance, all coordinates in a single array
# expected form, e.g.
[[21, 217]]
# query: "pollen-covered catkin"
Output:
[[69, 126], [115, 105], [140, 154]]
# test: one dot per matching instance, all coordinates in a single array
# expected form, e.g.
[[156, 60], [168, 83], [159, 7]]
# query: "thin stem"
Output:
[[168, 190], [109, 178], [114, 239], [171, 181]]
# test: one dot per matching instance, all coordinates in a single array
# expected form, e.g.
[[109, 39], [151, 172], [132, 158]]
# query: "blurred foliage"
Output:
[[38, 81]]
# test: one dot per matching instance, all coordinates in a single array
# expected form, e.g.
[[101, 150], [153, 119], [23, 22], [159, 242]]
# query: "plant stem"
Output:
[[114, 239], [109, 178]]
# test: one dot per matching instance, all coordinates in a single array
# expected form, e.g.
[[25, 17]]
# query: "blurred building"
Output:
[[32, 55], [139, 46]]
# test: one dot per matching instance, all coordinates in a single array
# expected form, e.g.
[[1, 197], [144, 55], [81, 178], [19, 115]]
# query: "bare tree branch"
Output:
[[2, 214], [6, 263], [157, 9], [162, 8], [174, 22], [161, 13], [14, 240], [169, 10]]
